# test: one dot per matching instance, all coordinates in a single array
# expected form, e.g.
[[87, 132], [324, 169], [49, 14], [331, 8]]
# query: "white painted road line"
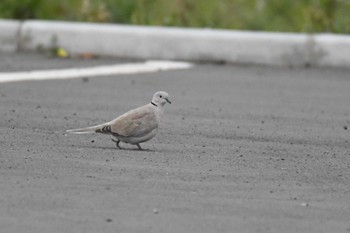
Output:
[[130, 68]]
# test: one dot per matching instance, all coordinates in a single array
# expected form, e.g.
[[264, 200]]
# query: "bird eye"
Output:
[[160, 96]]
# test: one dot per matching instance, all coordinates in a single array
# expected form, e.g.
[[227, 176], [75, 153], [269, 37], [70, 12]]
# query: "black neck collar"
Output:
[[154, 104]]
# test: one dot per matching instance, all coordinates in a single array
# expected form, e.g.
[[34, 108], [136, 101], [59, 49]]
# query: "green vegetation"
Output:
[[267, 15]]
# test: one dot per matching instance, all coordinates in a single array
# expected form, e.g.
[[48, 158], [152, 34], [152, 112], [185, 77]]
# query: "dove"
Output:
[[135, 126]]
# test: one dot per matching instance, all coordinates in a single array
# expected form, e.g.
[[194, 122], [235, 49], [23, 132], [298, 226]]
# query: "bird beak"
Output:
[[168, 101]]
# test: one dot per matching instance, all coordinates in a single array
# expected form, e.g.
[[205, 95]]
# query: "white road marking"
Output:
[[130, 68]]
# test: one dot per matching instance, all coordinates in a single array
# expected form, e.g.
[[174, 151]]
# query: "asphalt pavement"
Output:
[[240, 149]]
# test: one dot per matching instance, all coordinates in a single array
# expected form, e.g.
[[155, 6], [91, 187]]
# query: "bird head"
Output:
[[160, 98]]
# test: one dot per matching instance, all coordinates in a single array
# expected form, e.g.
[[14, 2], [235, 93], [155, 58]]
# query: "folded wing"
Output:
[[135, 123]]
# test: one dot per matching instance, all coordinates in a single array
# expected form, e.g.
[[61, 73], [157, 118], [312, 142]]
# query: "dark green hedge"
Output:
[[267, 15]]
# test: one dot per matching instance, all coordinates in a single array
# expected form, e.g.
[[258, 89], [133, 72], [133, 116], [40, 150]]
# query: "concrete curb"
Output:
[[263, 48], [9, 30]]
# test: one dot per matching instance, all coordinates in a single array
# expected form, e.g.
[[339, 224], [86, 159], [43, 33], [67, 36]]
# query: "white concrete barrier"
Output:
[[168, 43], [9, 30], [263, 48], [333, 50]]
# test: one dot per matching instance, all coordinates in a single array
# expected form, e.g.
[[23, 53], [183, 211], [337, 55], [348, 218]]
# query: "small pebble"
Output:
[[155, 211], [345, 127], [305, 204], [109, 220]]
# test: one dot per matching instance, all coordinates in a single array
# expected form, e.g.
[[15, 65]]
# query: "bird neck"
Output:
[[154, 104]]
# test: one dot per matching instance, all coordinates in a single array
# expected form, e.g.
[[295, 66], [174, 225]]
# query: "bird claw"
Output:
[[117, 143]]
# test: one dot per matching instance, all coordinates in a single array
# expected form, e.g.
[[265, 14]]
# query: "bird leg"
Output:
[[117, 143], [138, 145]]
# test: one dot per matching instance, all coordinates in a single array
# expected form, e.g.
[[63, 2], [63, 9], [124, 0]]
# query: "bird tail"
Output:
[[103, 128]]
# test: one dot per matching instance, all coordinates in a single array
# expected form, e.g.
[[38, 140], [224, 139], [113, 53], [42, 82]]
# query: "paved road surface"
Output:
[[241, 149]]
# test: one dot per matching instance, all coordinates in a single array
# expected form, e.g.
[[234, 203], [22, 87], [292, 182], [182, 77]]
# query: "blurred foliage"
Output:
[[268, 15]]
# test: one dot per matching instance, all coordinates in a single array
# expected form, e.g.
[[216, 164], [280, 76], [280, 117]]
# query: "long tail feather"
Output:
[[103, 128]]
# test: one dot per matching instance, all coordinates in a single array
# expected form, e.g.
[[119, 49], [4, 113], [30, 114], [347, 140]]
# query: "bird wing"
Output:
[[135, 123]]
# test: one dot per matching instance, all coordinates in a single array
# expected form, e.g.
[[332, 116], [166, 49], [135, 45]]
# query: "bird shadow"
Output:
[[117, 149]]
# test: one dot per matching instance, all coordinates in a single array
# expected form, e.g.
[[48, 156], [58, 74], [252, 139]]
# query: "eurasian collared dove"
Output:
[[135, 126]]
